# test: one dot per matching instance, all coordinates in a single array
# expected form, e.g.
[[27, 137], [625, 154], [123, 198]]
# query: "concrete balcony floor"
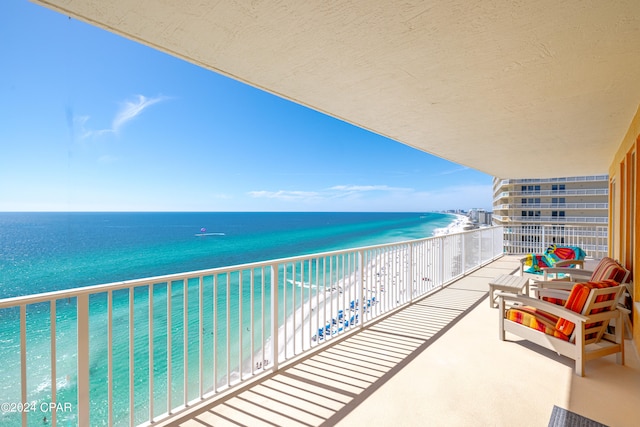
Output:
[[437, 362]]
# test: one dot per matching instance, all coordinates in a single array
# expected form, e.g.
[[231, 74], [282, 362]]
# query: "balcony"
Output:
[[454, 372], [564, 206], [570, 192], [498, 183], [603, 220], [437, 361], [372, 353], [594, 178]]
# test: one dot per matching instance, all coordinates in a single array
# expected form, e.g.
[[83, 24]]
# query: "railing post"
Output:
[[52, 317], [83, 360], [442, 242], [23, 359], [359, 300], [131, 360], [463, 258], [480, 257], [150, 344], [494, 249], [360, 285], [274, 315], [410, 272]]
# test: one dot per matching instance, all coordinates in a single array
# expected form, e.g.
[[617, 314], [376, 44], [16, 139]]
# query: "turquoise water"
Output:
[[42, 252]]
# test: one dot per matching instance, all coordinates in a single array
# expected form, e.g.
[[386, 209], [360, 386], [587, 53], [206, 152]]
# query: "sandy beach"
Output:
[[456, 226], [332, 303], [338, 307]]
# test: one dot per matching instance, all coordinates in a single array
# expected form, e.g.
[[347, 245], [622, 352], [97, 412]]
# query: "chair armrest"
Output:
[[576, 262], [623, 309], [553, 284], [558, 310], [629, 288], [522, 261], [560, 294], [605, 315], [564, 270]]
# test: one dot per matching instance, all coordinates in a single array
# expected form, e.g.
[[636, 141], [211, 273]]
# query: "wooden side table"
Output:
[[507, 283]]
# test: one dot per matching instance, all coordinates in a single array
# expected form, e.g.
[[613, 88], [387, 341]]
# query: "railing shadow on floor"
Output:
[[323, 388]]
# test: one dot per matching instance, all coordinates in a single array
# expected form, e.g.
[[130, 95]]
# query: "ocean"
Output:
[[42, 252]]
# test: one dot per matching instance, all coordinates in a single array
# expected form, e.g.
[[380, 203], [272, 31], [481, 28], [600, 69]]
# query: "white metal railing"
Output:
[[562, 219], [536, 238], [499, 183], [571, 192], [591, 178], [525, 206], [135, 352], [577, 192], [556, 220]]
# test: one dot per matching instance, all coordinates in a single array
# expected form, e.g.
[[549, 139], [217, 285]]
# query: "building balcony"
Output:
[[570, 192], [392, 333], [437, 361], [564, 206], [499, 183], [561, 220]]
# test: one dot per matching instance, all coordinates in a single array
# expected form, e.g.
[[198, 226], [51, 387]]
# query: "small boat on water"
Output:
[[203, 233]]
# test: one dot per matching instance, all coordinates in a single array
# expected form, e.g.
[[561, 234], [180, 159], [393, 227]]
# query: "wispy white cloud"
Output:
[[128, 111], [366, 188], [131, 109], [380, 197], [79, 123], [455, 170], [332, 193], [285, 195]]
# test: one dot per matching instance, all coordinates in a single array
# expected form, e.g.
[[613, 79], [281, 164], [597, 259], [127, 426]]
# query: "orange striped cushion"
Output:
[[536, 319], [608, 269], [578, 298], [556, 301]]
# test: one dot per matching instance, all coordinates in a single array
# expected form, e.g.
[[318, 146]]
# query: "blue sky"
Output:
[[94, 122]]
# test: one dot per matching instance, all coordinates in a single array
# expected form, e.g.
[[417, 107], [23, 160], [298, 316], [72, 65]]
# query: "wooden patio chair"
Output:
[[556, 290], [607, 268], [578, 330]]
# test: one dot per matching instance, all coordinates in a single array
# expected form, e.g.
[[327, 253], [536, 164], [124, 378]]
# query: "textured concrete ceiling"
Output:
[[511, 88]]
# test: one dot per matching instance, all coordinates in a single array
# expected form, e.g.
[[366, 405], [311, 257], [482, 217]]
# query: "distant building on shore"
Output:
[[480, 216]]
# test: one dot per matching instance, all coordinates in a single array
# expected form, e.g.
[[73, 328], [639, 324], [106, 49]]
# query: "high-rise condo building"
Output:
[[539, 212]]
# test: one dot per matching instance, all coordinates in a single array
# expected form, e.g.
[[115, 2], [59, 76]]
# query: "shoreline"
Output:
[[456, 226], [339, 300], [298, 323]]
